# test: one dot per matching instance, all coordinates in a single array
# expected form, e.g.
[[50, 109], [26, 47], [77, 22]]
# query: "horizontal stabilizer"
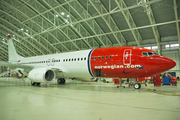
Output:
[[14, 66]]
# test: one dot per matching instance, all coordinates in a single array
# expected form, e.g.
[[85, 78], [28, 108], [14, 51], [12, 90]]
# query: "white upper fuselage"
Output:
[[71, 63]]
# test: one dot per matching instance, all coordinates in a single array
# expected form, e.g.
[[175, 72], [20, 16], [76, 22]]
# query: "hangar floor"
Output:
[[86, 101]]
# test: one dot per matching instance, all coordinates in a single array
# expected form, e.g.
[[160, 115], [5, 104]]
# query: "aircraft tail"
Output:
[[13, 56]]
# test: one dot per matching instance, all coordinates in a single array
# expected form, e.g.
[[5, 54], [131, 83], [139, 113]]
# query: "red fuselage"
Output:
[[127, 62]]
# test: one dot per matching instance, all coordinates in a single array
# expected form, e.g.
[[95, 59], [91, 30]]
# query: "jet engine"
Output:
[[42, 75]]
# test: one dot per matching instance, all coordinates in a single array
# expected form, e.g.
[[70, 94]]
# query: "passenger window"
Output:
[[106, 56], [91, 58], [74, 59], [69, 59], [102, 57], [81, 58], [78, 59], [95, 57], [66, 60], [110, 56], [98, 57], [85, 58]]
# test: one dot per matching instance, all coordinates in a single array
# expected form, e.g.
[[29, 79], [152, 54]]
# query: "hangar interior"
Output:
[[41, 27]]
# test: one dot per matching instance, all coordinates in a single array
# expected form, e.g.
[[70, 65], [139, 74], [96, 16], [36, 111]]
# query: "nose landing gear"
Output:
[[137, 85]]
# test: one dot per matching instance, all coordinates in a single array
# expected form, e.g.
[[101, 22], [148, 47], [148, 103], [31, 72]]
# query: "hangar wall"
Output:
[[175, 56], [2, 69]]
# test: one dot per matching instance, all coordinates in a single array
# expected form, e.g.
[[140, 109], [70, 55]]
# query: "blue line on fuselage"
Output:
[[89, 63], [137, 68]]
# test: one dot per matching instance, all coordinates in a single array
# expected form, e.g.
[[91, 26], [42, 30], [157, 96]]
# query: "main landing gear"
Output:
[[61, 81], [34, 83]]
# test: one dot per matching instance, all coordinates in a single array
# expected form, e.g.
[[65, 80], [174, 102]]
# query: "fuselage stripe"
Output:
[[89, 68]]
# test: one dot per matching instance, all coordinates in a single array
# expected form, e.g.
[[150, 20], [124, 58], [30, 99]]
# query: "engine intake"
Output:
[[42, 75]]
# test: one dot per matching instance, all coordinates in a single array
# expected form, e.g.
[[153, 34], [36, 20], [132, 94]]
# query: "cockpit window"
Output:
[[156, 53], [149, 53], [145, 53]]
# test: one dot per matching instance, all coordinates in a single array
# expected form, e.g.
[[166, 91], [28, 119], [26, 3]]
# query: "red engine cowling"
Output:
[[42, 75]]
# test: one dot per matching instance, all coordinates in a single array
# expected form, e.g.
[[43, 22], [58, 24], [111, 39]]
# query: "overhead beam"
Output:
[[25, 25], [91, 27], [4, 59], [17, 46], [177, 23], [48, 10], [106, 21], [71, 26], [154, 28], [130, 21], [50, 23], [19, 37], [148, 26], [116, 11]]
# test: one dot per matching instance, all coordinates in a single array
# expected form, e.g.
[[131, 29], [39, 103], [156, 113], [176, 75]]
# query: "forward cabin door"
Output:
[[127, 56]]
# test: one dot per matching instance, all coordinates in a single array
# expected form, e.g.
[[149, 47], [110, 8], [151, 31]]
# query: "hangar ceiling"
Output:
[[40, 27]]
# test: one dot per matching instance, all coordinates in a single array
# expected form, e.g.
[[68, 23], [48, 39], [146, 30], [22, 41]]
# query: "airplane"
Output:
[[111, 62]]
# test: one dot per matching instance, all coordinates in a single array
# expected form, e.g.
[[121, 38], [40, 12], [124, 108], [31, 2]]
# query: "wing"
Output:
[[14, 66]]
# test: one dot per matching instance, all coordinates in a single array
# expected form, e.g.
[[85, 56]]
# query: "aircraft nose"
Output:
[[168, 63]]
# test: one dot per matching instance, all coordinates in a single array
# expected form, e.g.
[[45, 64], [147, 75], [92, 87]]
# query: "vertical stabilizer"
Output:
[[13, 56]]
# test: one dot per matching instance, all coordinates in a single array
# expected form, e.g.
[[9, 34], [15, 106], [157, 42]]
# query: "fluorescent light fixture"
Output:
[[22, 29], [147, 47], [62, 13]]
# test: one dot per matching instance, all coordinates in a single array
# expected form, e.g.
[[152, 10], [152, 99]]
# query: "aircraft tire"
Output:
[[37, 84], [61, 81], [104, 81], [33, 83], [137, 85]]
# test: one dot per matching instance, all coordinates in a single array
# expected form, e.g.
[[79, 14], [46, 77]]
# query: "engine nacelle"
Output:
[[42, 75]]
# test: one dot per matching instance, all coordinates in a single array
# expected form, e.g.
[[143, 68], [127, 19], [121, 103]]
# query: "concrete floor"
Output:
[[86, 101]]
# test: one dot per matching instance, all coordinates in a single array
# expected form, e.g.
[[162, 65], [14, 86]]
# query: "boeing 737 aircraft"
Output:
[[112, 62]]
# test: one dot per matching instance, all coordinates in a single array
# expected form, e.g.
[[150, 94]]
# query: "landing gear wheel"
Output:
[[33, 83], [61, 81], [37, 84], [104, 81], [137, 85]]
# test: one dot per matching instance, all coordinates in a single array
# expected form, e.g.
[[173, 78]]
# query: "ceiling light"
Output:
[[56, 15], [22, 29], [67, 15], [62, 13], [26, 30]]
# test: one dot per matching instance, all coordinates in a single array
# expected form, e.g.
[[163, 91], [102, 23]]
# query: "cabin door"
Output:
[[127, 56]]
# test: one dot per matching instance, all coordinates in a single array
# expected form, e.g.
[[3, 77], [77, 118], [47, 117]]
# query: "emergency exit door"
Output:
[[127, 56]]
